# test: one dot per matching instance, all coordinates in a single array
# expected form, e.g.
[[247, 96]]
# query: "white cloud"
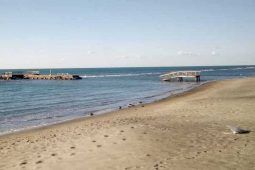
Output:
[[89, 52], [127, 57], [186, 53], [123, 57], [214, 53]]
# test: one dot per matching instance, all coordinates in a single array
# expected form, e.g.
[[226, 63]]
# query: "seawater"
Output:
[[30, 103]]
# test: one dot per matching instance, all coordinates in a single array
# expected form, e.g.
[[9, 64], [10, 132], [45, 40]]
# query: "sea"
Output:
[[31, 103]]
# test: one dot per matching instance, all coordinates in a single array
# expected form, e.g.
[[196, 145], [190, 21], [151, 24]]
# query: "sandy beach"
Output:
[[187, 131]]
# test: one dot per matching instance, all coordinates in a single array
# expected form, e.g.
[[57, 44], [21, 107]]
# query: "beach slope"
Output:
[[188, 131]]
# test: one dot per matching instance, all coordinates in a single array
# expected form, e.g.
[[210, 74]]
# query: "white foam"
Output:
[[206, 70], [226, 69], [118, 75]]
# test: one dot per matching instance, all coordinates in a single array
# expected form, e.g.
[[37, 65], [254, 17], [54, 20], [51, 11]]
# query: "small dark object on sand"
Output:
[[238, 130], [120, 107], [131, 105], [91, 114]]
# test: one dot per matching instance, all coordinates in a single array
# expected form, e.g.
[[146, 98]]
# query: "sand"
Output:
[[187, 131]]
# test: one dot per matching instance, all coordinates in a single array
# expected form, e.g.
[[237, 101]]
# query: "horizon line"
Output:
[[124, 67]]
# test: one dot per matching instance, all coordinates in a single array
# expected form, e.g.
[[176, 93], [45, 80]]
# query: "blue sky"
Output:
[[117, 33]]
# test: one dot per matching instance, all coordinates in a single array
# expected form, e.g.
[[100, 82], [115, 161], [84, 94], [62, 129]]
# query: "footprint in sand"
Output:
[[156, 166], [99, 146], [54, 154], [93, 141], [72, 154], [122, 131], [72, 147], [247, 141], [161, 164], [23, 163], [106, 136], [38, 162], [124, 139]]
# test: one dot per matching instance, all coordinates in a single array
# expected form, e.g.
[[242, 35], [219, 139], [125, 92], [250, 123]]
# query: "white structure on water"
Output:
[[180, 75]]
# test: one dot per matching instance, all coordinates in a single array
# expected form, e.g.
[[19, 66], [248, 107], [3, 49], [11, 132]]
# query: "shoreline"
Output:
[[184, 131], [83, 118]]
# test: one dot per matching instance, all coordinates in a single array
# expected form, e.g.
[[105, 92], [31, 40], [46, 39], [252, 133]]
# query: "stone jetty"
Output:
[[37, 76]]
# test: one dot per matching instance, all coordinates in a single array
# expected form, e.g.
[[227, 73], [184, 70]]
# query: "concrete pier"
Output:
[[181, 75]]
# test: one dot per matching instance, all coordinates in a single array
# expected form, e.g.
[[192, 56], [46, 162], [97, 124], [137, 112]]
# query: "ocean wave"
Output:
[[240, 68], [206, 70], [228, 69], [119, 75], [252, 67]]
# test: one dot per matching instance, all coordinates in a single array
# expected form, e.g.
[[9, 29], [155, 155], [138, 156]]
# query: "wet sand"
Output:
[[187, 131]]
